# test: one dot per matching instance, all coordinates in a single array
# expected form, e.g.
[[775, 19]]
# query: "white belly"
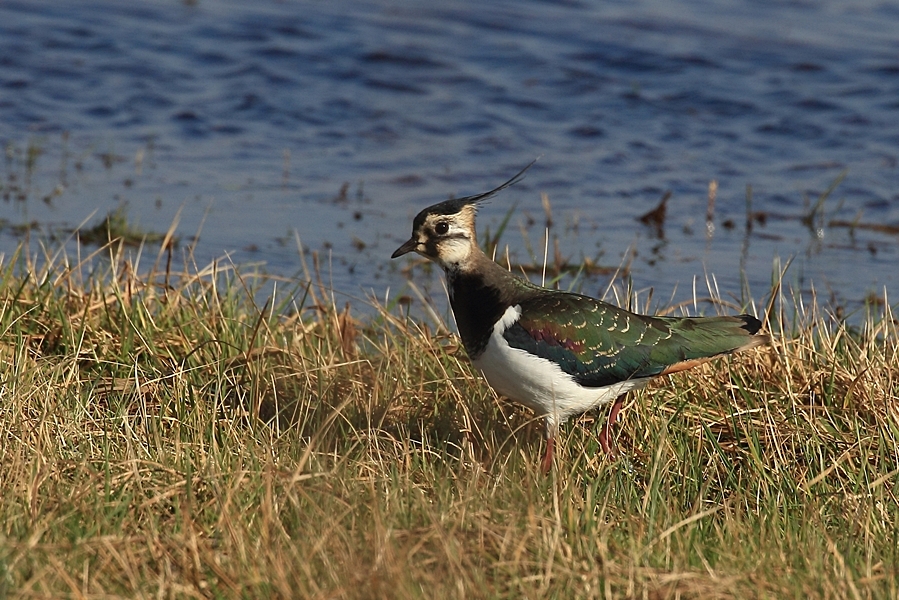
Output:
[[538, 383]]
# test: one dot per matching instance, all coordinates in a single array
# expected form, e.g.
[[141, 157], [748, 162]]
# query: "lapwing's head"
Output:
[[445, 232]]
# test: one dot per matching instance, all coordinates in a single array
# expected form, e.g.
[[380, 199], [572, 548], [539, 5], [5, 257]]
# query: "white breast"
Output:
[[538, 383]]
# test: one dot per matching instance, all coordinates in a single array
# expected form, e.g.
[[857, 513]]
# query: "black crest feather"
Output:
[[451, 207]]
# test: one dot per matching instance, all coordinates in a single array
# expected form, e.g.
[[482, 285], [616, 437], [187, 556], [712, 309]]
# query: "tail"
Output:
[[700, 339], [745, 328]]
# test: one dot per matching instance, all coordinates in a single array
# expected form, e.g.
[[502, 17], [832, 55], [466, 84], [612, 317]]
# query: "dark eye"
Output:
[[441, 228]]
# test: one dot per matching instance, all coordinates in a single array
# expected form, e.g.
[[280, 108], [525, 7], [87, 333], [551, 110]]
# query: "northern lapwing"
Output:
[[558, 353]]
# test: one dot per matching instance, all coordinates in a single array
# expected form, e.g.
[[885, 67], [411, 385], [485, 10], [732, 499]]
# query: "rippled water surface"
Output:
[[251, 122]]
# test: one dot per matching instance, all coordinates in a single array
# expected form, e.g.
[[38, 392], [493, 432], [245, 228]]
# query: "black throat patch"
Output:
[[476, 306]]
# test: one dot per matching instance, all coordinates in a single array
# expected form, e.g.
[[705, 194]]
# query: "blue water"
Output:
[[246, 120]]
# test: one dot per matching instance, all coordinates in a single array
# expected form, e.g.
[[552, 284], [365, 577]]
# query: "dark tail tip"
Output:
[[751, 324]]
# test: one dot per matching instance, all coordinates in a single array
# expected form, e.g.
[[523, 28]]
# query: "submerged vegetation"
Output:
[[162, 434], [115, 227]]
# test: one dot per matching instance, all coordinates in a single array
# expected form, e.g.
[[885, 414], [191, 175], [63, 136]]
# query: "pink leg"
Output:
[[546, 464], [605, 436]]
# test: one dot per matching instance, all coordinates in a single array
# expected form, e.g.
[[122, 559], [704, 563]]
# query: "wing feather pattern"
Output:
[[599, 344]]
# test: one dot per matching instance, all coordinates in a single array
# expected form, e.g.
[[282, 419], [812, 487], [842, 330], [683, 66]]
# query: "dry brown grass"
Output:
[[175, 440]]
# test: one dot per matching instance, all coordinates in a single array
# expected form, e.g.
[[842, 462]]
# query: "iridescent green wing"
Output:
[[600, 344]]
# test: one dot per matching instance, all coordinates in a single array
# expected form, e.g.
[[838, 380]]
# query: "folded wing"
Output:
[[599, 344]]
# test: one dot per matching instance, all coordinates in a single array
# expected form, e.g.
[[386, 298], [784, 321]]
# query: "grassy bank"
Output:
[[165, 436]]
